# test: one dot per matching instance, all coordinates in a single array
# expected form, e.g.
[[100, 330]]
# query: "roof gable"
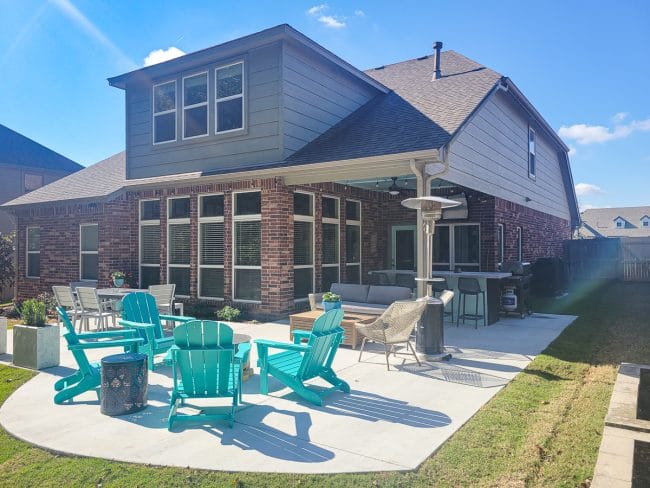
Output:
[[18, 150]]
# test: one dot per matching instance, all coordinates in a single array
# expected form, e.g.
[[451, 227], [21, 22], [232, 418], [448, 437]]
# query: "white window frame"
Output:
[[231, 97], [357, 223], [520, 246], [26, 176], [177, 221], [452, 264], [645, 221], [307, 218], [144, 223], [28, 252], [337, 222], [196, 105], [207, 220], [81, 253], [154, 114], [620, 223], [234, 220], [532, 151]]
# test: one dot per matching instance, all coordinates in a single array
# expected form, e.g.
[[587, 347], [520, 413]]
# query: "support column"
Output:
[[421, 191]]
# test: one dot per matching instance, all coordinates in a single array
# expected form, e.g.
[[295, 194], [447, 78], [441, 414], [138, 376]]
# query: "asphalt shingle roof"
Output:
[[599, 222], [18, 150], [97, 181], [419, 113]]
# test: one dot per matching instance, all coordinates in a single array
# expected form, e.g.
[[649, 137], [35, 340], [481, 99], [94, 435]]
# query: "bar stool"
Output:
[[470, 286], [437, 287]]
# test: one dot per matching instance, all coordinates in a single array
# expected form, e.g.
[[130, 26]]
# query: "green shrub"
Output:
[[32, 312], [229, 314], [49, 301]]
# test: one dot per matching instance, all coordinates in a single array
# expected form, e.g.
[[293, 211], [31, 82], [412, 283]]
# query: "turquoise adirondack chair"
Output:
[[139, 312], [88, 376], [205, 365], [303, 362]]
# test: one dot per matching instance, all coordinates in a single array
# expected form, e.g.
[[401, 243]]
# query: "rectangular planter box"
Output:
[[3, 335], [36, 347]]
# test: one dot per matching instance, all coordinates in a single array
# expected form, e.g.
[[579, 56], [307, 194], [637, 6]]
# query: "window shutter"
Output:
[[302, 243], [179, 244], [212, 238], [248, 242], [150, 244]]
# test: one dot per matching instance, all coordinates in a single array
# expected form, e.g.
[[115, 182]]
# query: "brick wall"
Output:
[[119, 233]]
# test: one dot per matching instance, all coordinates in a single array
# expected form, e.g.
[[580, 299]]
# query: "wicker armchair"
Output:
[[393, 327]]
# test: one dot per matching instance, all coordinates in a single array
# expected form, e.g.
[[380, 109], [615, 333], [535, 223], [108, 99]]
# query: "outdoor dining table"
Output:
[[117, 293]]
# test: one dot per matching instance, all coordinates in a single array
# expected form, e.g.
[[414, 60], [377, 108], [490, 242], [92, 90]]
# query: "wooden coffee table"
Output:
[[305, 321]]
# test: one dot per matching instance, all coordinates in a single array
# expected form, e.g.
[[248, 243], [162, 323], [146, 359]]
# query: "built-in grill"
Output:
[[515, 290]]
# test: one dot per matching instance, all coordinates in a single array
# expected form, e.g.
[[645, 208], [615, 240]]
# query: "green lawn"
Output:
[[543, 429]]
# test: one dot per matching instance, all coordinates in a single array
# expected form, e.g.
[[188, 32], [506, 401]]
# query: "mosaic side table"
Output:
[[124, 384]]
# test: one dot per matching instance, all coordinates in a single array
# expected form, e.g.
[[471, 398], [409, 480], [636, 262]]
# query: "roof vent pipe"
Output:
[[437, 47]]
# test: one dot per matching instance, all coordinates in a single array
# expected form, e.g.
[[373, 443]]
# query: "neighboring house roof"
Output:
[[419, 113], [100, 180], [601, 222], [18, 150]]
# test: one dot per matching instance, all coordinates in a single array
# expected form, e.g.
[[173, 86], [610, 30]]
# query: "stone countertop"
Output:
[[474, 274]]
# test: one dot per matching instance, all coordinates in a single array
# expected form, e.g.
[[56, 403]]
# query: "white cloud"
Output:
[[594, 134], [620, 116], [359, 13], [160, 55], [329, 21], [316, 9], [587, 189], [85, 24], [572, 151]]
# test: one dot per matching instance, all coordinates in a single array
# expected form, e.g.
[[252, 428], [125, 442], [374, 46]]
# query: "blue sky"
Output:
[[584, 64]]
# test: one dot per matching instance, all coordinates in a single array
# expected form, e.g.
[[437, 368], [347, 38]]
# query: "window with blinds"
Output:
[[303, 244], [353, 241], [330, 243], [211, 246], [149, 243], [89, 250], [247, 246], [33, 252], [178, 244]]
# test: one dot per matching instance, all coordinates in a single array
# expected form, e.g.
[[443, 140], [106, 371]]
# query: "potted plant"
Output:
[[36, 343], [118, 278], [331, 301]]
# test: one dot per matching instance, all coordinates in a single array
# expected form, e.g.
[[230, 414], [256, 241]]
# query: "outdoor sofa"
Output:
[[363, 299]]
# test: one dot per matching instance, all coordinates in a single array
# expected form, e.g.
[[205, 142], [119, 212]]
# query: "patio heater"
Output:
[[429, 341]]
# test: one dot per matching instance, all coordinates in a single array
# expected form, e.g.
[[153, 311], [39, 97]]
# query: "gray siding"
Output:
[[491, 155], [259, 143], [12, 185], [316, 95]]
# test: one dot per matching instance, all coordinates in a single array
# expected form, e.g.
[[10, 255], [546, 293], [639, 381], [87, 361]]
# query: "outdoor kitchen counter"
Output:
[[490, 283]]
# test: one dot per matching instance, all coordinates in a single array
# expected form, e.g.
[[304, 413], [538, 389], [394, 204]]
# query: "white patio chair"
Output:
[[93, 307], [65, 299], [392, 327], [164, 295]]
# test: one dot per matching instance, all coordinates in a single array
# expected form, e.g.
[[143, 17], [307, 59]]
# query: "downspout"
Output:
[[423, 189]]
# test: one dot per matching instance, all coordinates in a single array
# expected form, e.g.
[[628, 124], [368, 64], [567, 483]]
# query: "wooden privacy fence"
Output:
[[626, 258]]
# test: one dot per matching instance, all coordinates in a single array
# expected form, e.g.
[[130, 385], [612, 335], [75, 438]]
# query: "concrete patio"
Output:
[[392, 420]]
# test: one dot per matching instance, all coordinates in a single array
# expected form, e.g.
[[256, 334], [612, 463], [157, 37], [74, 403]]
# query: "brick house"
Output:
[[266, 167]]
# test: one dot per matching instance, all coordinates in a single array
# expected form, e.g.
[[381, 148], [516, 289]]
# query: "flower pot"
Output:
[[118, 282], [3, 335], [327, 306], [36, 347]]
